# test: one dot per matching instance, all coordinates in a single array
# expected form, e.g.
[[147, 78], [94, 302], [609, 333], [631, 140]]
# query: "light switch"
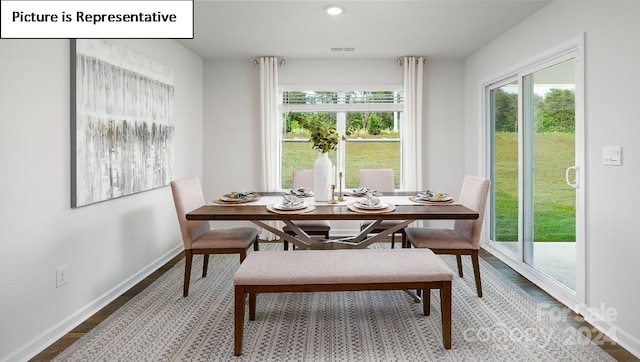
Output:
[[612, 155]]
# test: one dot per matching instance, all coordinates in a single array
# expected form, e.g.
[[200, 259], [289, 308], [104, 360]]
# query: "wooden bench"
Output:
[[341, 270]]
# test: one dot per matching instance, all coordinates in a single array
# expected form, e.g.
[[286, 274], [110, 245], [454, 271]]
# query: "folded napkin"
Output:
[[370, 200], [425, 195], [364, 191], [301, 191], [291, 200]]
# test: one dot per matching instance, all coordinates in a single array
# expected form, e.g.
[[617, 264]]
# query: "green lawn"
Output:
[[553, 199], [360, 155]]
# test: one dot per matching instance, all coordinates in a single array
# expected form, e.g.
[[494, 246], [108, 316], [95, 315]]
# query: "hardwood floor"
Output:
[[615, 350]]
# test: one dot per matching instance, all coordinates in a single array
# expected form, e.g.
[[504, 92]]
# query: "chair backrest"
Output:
[[474, 194], [188, 196], [303, 178], [379, 179]]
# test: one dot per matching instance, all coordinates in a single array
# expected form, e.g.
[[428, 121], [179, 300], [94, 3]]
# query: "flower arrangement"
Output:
[[324, 136]]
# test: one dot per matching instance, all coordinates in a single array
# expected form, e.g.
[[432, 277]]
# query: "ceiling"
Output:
[[437, 29]]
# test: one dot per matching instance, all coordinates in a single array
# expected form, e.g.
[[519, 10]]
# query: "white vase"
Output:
[[322, 177]]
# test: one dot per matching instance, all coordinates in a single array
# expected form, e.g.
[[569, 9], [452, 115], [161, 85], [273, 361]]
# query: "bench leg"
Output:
[[239, 320], [445, 306]]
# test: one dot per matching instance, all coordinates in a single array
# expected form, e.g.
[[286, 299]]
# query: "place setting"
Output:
[[370, 204], [302, 192], [432, 198], [238, 197], [290, 204], [363, 192]]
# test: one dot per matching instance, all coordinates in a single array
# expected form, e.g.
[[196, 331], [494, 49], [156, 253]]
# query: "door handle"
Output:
[[573, 184]]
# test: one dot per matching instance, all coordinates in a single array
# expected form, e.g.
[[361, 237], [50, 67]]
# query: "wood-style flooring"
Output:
[[615, 350]]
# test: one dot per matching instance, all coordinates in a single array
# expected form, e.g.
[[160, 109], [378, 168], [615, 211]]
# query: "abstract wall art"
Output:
[[122, 122]]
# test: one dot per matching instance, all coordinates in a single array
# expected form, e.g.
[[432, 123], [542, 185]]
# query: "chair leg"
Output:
[[256, 244], [459, 260], [405, 244], [205, 265], [426, 302], [286, 243], [393, 240], [476, 271], [187, 272], [243, 254]]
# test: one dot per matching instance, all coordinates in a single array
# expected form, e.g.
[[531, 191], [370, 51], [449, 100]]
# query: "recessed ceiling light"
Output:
[[334, 9]]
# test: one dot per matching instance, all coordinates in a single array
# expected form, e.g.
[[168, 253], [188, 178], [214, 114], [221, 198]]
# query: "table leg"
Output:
[[297, 241], [360, 241], [416, 298]]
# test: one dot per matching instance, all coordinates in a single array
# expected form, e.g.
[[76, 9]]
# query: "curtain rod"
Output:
[[281, 62], [400, 61]]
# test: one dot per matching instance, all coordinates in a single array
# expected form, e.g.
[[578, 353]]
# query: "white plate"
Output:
[[283, 207], [379, 206], [226, 197], [238, 196], [437, 197]]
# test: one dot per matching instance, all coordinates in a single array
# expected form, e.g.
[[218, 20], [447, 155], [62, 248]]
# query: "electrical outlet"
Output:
[[61, 275]]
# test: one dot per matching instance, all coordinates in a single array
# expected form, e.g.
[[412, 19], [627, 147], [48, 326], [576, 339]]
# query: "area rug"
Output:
[[159, 324]]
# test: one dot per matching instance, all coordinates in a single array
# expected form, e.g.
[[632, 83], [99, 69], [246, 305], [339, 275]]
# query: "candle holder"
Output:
[[340, 198], [333, 195]]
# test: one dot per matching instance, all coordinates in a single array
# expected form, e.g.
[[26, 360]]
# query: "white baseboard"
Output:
[[616, 334], [39, 343]]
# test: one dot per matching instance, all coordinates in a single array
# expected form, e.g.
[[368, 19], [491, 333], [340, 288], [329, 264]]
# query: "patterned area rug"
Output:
[[159, 325]]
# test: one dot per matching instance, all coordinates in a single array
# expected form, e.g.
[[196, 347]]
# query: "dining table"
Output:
[[400, 206]]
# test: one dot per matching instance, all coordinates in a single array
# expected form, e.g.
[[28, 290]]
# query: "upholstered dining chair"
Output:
[[381, 180], [198, 237], [464, 238], [304, 178]]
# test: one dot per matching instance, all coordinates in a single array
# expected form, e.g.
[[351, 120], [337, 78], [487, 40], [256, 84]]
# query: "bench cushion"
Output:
[[341, 266]]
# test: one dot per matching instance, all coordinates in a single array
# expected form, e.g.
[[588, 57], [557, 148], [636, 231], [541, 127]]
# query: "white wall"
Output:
[[340, 72], [231, 127], [611, 77], [232, 116], [443, 146], [107, 246]]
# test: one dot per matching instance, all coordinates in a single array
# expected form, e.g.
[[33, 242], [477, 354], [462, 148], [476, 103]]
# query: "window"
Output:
[[370, 121]]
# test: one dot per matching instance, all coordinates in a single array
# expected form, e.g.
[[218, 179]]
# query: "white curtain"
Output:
[[412, 125], [270, 128]]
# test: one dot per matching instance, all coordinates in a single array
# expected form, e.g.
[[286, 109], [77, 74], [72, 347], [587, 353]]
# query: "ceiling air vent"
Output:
[[343, 49]]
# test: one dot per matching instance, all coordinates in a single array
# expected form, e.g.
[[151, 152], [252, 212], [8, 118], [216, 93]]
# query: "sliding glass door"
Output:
[[549, 150], [535, 148]]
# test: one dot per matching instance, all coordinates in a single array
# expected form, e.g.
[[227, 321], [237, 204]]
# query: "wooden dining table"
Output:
[[405, 212]]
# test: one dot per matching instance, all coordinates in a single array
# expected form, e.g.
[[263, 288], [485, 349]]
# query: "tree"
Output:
[[354, 122], [556, 113], [506, 111], [375, 125]]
